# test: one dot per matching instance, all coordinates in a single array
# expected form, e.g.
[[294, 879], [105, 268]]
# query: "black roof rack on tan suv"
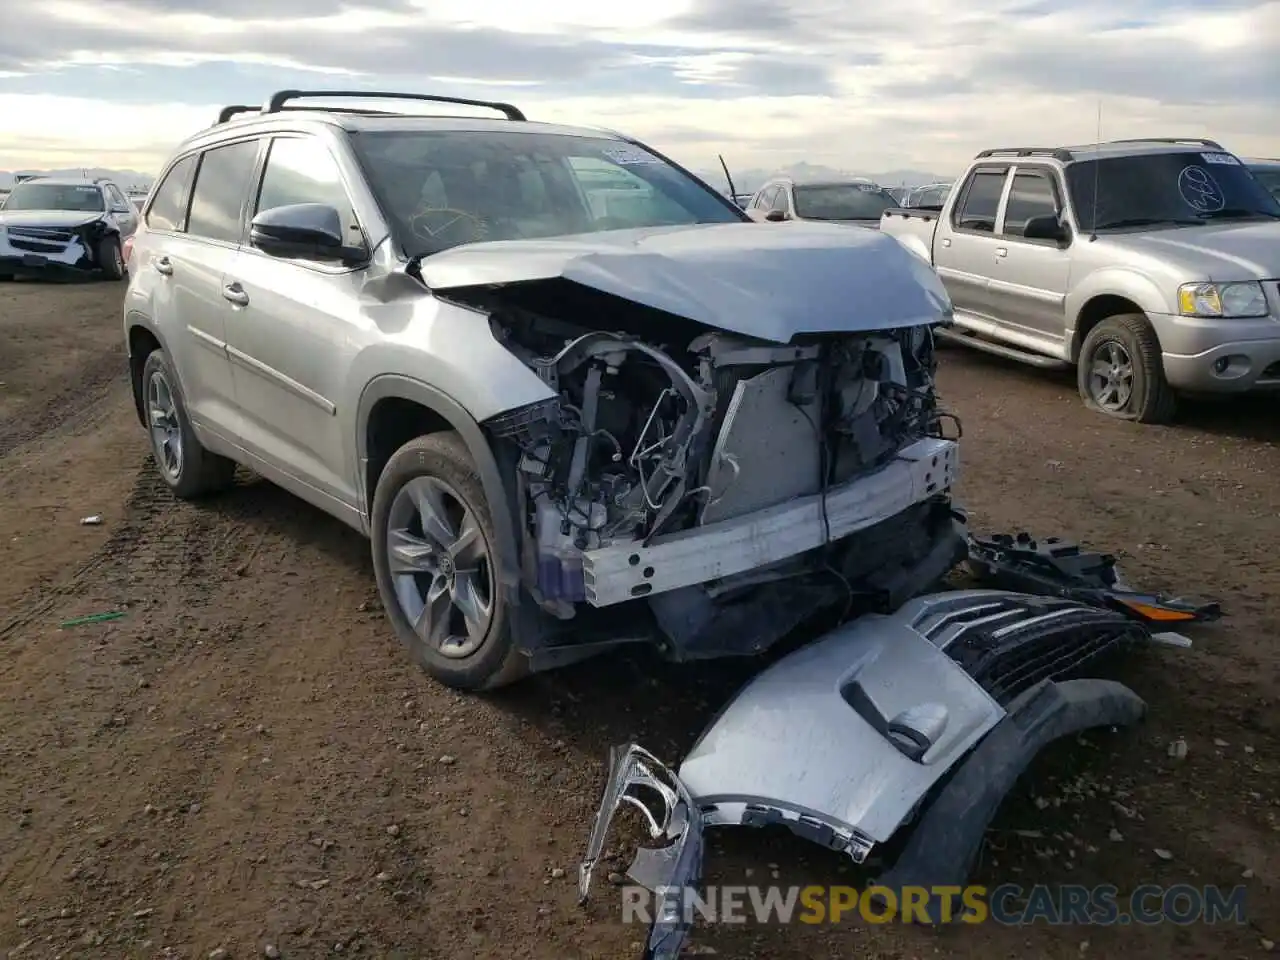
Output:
[[281, 97], [279, 102]]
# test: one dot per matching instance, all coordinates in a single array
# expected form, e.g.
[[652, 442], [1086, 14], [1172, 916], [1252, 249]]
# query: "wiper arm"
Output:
[[1149, 222]]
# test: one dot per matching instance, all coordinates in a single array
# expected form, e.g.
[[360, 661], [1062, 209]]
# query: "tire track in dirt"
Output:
[[75, 404], [144, 503]]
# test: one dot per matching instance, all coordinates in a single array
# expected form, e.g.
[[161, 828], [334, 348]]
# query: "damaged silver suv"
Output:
[[572, 394]]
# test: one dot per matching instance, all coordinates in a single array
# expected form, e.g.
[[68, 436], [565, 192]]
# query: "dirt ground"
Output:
[[246, 758]]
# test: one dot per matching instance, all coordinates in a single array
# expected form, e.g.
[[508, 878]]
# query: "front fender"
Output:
[[499, 494], [1124, 282]]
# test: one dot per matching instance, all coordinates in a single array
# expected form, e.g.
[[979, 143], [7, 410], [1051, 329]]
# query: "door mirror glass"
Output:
[[302, 231]]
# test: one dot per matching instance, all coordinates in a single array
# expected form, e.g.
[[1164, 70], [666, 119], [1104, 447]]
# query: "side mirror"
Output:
[[302, 231], [1046, 228], [775, 216]]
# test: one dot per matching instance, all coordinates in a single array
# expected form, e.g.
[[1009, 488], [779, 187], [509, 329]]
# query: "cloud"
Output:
[[881, 84]]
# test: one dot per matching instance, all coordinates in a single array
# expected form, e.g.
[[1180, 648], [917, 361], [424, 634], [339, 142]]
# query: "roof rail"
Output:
[[226, 113], [278, 100], [1197, 141], [1058, 153]]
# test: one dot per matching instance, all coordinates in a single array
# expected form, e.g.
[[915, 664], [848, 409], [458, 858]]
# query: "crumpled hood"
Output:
[[1222, 251], [772, 282], [47, 218]]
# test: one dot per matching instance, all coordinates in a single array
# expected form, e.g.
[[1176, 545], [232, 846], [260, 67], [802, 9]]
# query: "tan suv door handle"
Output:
[[163, 265], [235, 293]]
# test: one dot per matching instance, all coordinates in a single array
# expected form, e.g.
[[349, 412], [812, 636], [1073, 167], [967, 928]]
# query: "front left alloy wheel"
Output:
[[433, 554]]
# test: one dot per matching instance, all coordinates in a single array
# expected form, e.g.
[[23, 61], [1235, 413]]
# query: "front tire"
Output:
[[111, 258], [433, 554], [1120, 371], [188, 468]]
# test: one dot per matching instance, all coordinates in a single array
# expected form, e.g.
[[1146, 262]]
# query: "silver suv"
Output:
[[572, 394], [1151, 266]]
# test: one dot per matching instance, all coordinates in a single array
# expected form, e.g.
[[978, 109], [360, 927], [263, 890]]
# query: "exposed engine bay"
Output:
[[663, 427]]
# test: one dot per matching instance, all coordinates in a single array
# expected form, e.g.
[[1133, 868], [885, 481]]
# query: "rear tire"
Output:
[[1120, 371], [111, 258], [188, 468], [468, 645]]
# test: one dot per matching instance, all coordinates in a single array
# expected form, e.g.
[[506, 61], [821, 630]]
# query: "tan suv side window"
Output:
[[302, 170]]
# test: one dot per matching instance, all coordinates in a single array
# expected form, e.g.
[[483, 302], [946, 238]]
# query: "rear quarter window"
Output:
[[168, 209]]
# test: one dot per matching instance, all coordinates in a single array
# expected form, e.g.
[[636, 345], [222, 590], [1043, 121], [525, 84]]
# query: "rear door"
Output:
[[296, 326], [194, 263], [965, 243]]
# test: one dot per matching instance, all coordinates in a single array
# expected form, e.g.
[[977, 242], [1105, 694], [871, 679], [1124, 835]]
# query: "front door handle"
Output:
[[235, 293], [163, 265], [1002, 251]]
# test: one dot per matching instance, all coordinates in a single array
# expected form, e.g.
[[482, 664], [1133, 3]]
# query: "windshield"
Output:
[[1269, 177], [841, 201], [443, 188], [1175, 188], [55, 196]]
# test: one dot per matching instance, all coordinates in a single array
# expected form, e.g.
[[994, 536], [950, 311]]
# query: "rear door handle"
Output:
[[1002, 251], [163, 265], [235, 293]]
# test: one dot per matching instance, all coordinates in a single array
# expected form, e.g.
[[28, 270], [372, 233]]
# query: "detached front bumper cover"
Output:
[[921, 721]]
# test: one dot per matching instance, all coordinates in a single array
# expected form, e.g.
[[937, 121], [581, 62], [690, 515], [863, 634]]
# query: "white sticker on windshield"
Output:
[[1200, 191], [1222, 159], [629, 155]]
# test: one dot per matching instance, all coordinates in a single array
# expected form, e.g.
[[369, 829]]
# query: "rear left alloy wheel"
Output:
[[435, 562], [188, 468]]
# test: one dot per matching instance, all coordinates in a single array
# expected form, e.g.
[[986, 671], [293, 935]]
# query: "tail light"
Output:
[[126, 250]]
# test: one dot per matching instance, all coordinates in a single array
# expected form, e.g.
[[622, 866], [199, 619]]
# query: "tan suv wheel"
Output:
[[433, 544]]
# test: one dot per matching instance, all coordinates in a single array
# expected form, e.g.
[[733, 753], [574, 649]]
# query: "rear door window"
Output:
[[981, 201], [1032, 195], [222, 183], [169, 207]]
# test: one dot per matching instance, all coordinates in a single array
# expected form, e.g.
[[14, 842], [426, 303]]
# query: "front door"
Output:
[[294, 329]]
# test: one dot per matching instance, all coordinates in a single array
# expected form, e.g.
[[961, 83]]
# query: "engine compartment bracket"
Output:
[[621, 572]]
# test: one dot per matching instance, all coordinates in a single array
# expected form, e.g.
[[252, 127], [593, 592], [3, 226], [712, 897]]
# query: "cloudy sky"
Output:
[[871, 85]]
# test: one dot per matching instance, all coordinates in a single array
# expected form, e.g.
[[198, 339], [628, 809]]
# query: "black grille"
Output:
[[48, 234], [1011, 643], [39, 239]]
